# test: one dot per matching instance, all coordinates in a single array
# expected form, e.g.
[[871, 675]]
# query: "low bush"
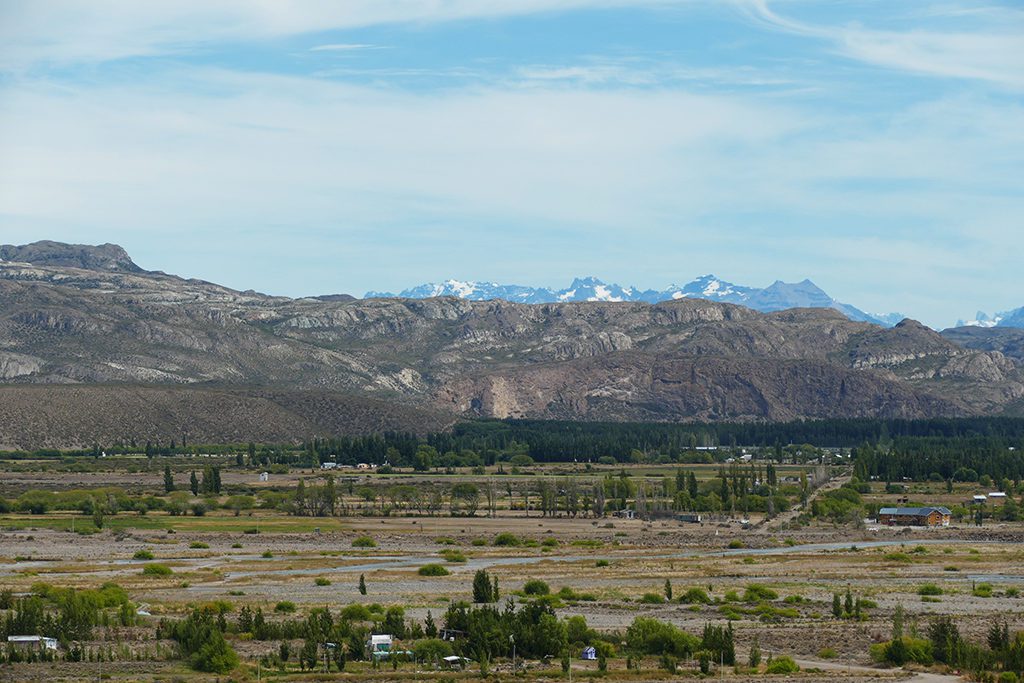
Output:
[[143, 555], [199, 545], [694, 596], [284, 607], [507, 539], [364, 542], [782, 665], [453, 555], [156, 570], [536, 587], [929, 589], [652, 599], [433, 570], [321, 581], [756, 592]]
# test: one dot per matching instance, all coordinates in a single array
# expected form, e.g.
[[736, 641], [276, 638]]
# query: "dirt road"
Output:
[[912, 676]]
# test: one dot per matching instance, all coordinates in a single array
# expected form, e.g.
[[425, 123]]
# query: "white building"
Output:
[[379, 645]]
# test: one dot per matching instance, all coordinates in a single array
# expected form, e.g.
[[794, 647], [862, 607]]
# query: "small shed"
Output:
[[264, 476], [33, 642], [589, 653], [997, 495]]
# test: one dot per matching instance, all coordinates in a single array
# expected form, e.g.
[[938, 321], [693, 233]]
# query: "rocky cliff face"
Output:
[[674, 360]]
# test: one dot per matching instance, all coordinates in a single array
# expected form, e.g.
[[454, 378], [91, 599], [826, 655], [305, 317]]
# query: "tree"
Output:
[[848, 603], [429, 627], [239, 503], [837, 606], [898, 617], [308, 655], [691, 485], [193, 483], [339, 656], [362, 585], [465, 496], [168, 479], [668, 589], [755, 653], [482, 588]]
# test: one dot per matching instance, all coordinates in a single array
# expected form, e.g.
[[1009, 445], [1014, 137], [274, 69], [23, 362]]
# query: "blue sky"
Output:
[[876, 147]]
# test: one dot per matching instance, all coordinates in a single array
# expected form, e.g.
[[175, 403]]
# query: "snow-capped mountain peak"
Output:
[[777, 296]]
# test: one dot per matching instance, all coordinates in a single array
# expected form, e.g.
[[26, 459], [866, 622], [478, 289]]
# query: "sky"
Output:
[[328, 146]]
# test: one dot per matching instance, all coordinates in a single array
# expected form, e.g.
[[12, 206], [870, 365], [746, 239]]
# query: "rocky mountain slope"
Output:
[[1007, 340], [163, 354], [775, 297]]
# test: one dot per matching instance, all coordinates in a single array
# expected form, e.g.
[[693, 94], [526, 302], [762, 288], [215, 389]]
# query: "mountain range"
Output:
[[94, 349], [1014, 318], [776, 297]]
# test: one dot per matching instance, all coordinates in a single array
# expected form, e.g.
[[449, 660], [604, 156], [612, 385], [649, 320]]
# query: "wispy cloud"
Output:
[[344, 47], [62, 32], [994, 54]]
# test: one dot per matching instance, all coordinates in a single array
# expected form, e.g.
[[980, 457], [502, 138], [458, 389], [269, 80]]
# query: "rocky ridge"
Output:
[[440, 359]]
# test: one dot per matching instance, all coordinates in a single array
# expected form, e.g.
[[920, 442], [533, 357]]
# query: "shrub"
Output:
[[507, 539], [736, 544], [898, 557], [536, 587], [267, 555], [478, 542], [929, 589], [364, 542], [827, 653], [433, 570], [431, 649], [654, 637], [199, 545], [602, 563], [284, 607], [694, 596], [452, 555], [755, 592], [549, 543], [902, 650], [652, 599], [156, 570], [143, 555], [982, 590], [321, 581], [782, 665]]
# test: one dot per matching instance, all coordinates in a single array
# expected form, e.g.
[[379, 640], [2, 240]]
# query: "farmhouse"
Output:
[[929, 516]]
